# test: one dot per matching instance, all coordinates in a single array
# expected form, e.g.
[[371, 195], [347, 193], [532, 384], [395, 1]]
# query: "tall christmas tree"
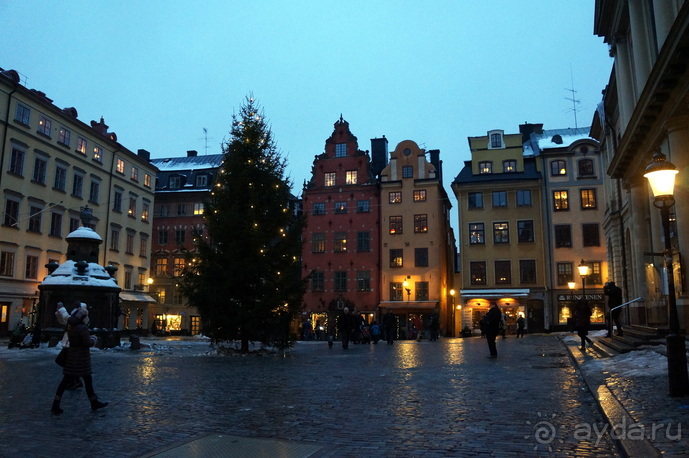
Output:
[[244, 279]]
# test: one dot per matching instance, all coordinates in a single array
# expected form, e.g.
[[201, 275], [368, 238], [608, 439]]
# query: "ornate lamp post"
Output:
[[661, 177], [571, 286], [584, 270], [406, 287]]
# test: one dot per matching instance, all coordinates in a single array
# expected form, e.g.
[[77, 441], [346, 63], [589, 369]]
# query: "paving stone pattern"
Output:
[[431, 399]]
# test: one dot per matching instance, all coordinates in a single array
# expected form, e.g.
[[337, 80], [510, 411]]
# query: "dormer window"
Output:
[[509, 166], [201, 181], [495, 139], [485, 167], [175, 182]]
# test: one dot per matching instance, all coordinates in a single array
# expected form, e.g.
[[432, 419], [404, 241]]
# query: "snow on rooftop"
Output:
[[168, 164]]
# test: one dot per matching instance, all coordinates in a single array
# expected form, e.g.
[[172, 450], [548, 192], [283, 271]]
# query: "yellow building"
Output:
[[53, 165], [501, 240], [417, 242]]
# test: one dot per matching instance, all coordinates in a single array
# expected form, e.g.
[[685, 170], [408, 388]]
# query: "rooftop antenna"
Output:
[[573, 99], [205, 138]]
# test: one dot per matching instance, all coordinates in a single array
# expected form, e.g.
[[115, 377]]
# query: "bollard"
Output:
[[330, 341], [135, 343]]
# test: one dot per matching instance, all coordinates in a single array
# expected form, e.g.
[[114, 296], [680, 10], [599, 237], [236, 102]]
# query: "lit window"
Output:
[[560, 200], [396, 258], [147, 180], [340, 242], [350, 177], [120, 166], [145, 212], [588, 199], [395, 197], [477, 234], [509, 166], [395, 225], [132, 207], [420, 195], [420, 223], [340, 207], [135, 174], [330, 179], [477, 271], [98, 154], [198, 209], [64, 136], [45, 126], [485, 167], [558, 168], [501, 233], [81, 145], [318, 242]]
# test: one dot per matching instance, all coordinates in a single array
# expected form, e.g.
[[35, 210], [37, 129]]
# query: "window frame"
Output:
[[560, 200], [588, 198], [558, 168], [503, 266], [525, 231], [421, 223], [499, 199], [395, 197], [478, 273], [485, 167], [396, 258], [330, 179], [475, 200], [477, 233], [501, 232], [509, 166], [407, 171], [395, 225], [563, 235]]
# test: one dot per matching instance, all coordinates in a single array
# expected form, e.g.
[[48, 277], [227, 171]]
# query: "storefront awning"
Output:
[[131, 296], [409, 305], [494, 293]]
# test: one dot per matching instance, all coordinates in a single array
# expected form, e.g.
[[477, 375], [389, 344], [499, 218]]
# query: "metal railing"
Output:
[[611, 325]]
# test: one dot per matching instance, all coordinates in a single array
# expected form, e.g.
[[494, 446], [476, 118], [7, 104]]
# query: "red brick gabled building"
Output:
[[340, 254]]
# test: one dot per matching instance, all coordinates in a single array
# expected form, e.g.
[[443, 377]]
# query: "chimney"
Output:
[[379, 155], [100, 127], [527, 129], [192, 153], [143, 154], [435, 160]]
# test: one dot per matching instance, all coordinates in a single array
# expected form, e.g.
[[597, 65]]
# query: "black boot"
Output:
[[96, 404], [55, 409]]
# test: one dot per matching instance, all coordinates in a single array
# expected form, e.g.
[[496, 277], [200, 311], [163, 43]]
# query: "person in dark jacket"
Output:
[[582, 321], [346, 325], [390, 326], [614, 294], [78, 362], [492, 328]]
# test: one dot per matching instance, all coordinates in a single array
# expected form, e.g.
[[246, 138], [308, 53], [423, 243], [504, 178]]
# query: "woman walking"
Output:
[[78, 361]]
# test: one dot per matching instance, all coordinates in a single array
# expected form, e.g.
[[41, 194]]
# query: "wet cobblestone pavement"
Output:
[[429, 399]]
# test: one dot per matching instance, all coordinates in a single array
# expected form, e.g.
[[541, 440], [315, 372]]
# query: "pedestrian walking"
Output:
[[390, 326], [434, 324], [492, 327], [346, 325], [521, 323], [375, 332], [582, 321], [78, 360], [614, 294]]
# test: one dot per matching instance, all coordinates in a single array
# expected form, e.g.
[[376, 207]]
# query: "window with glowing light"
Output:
[[81, 145], [588, 199], [132, 207], [501, 232], [98, 155], [160, 267], [330, 179], [351, 177], [396, 257], [340, 242], [477, 234], [198, 208], [119, 166], [509, 166], [395, 225], [135, 174], [485, 167], [145, 212], [419, 195], [477, 270], [178, 264], [503, 272], [560, 201], [63, 136], [558, 168], [45, 126], [340, 207], [420, 223], [395, 197]]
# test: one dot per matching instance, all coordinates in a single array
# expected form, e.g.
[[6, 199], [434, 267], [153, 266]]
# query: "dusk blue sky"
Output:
[[435, 72]]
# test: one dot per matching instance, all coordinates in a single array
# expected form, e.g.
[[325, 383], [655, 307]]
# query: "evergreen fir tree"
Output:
[[245, 278]]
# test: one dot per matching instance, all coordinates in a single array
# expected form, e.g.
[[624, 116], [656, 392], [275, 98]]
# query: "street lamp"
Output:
[[661, 177], [406, 287], [571, 286], [584, 270]]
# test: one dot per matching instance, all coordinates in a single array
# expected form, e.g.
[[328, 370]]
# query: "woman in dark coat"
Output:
[[78, 361], [582, 321]]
